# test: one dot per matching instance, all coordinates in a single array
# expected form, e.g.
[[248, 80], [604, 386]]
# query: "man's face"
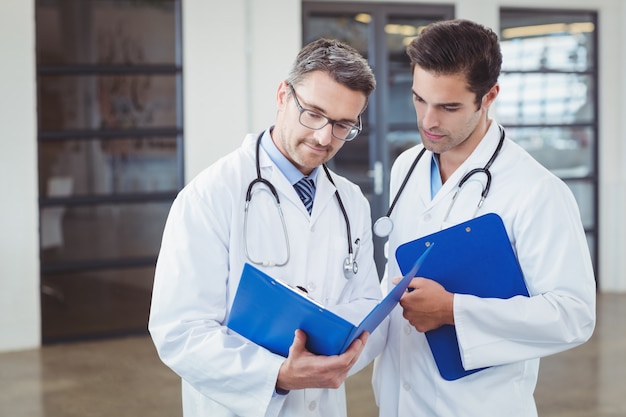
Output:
[[447, 115], [308, 148]]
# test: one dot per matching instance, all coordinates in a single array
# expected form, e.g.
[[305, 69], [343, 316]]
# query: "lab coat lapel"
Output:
[[467, 200], [424, 171], [324, 195], [285, 189], [415, 186]]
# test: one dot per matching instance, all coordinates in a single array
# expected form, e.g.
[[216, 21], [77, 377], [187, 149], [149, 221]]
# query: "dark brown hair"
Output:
[[459, 46]]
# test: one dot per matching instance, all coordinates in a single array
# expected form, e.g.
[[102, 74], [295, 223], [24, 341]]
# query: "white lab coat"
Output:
[[198, 270], [544, 226]]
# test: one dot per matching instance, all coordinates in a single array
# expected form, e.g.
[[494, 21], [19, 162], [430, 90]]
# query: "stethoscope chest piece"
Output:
[[383, 226], [350, 267]]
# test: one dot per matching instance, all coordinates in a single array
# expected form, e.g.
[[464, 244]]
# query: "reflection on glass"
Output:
[[106, 232], [566, 151], [94, 303], [401, 110], [349, 28], [107, 84], [530, 98], [401, 140], [105, 32], [352, 160], [113, 166], [402, 129], [544, 41], [111, 101]]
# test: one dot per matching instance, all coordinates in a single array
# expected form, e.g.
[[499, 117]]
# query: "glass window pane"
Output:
[[352, 160], [566, 151], [112, 166], [529, 98], [110, 101], [583, 192], [109, 32], [401, 110], [103, 232], [351, 28], [402, 132], [548, 97], [545, 41], [401, 140], [95, 303]]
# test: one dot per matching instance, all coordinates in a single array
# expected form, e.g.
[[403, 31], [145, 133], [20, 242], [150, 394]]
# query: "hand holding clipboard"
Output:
[[474, 257], [267, 312]]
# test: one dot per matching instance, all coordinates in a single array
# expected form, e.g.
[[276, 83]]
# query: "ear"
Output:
[[281, 95], [491, 96]]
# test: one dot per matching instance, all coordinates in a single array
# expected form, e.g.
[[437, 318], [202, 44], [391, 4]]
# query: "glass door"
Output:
[[109, 99], [381, 33]]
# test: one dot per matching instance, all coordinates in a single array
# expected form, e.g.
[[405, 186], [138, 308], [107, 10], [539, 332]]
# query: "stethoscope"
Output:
[[384, 225], [350, 266]]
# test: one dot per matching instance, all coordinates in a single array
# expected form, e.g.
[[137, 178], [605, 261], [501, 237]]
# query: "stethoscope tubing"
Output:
[[350, 265], [351, 254], [384, 225]]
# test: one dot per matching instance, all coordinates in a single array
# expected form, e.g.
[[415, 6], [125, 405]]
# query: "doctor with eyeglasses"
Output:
[[272, 203]]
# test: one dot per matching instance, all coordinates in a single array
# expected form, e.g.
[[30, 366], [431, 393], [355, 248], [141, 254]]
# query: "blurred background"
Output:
[[109, 107]]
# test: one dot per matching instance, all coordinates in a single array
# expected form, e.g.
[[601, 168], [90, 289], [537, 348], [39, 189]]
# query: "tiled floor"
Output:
[[124, 377]]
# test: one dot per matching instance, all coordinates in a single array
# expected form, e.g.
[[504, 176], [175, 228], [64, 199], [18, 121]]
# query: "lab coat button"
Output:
[[406, 386], [407, 330], [311, 287], [427, 217], [312, 405]]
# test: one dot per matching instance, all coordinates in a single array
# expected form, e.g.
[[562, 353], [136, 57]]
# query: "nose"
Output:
[[429, 117], [324, 136]]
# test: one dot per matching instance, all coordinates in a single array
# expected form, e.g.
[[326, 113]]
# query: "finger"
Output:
[[363, 338], [299, 342], [414, 285], [353, 351], [356, 347]]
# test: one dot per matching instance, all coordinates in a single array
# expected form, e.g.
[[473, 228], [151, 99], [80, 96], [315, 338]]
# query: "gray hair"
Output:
[[341, 61]]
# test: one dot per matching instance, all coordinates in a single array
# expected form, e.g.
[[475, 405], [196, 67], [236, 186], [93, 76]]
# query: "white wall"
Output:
[[612, 153], [19, 234], [233, 60]]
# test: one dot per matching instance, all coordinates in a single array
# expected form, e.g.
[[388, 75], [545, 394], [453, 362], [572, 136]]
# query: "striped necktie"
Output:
[[306, 190]]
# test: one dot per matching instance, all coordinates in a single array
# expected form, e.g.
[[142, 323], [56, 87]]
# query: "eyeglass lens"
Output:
[[313, 120]]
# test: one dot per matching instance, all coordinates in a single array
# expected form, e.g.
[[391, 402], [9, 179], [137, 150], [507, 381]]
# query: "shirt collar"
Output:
[[435, 176], [292, 173]]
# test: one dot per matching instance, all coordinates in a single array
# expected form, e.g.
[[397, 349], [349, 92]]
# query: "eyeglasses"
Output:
[[316, 121]]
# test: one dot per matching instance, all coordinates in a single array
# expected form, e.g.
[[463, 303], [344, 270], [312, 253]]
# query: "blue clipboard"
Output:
[[267, 312], [474, 257]]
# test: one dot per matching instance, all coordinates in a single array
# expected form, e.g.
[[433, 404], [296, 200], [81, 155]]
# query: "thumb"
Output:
[[299, 341]]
